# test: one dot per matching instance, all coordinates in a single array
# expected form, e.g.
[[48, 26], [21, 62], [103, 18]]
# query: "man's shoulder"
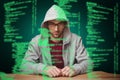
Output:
[[36, 38], [75, 36]]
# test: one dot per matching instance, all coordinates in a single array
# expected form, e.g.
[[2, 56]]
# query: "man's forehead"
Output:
[[55, 21]]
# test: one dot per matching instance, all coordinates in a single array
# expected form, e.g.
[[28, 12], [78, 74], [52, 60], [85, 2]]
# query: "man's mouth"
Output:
[[56, 33]]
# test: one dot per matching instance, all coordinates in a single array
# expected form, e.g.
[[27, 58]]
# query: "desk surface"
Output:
[[96, 75]]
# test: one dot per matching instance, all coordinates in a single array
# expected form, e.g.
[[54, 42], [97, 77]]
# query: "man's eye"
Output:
[[61, 23], [50, 23]]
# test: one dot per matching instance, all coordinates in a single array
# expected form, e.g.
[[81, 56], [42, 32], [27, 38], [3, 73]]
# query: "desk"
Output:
[[96, 75]]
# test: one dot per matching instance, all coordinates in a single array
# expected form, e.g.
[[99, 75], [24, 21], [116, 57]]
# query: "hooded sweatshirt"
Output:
[[38, 54]]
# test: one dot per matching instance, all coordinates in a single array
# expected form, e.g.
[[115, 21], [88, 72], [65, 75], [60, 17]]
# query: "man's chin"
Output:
[[56, 36]]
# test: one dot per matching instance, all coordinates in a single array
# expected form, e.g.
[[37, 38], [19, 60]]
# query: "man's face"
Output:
[[56, 28]]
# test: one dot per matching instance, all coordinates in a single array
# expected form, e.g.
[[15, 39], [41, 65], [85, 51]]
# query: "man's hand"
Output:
[[52, 71], [67, 71]]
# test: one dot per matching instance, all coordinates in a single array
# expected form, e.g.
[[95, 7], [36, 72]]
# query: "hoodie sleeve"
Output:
[[82, 60], [30, 63]]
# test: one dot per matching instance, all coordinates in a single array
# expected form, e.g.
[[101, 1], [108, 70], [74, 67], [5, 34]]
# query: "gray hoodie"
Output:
[[38, 54]]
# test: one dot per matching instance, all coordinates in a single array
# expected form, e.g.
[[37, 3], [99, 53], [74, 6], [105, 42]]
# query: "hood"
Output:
[[55, 12]]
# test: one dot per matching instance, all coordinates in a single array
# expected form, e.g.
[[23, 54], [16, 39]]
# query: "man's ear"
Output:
[[45, 25]]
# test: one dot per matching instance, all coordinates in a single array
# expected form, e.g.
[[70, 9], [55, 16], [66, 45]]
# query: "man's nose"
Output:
[[56, 28]]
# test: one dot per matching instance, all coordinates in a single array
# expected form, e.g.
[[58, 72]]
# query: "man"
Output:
[[57, 51]]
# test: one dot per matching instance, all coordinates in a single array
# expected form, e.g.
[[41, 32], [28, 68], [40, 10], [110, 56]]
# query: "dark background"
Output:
[[24, 25]]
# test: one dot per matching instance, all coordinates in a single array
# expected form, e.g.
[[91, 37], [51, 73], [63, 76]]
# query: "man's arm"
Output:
[[83, 60], [82, 63], [30, 63]]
